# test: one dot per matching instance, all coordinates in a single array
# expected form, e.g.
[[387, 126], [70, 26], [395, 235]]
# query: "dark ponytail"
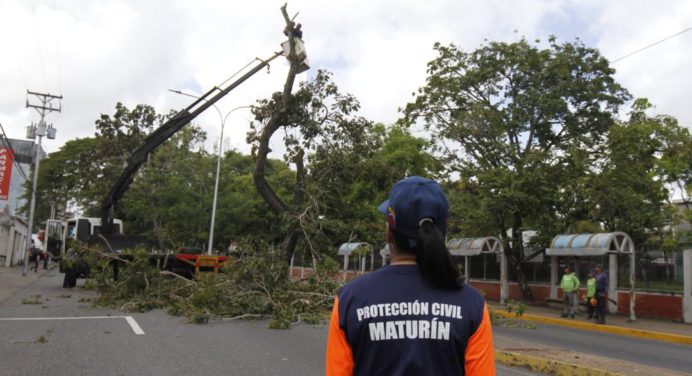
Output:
[[433, 258]]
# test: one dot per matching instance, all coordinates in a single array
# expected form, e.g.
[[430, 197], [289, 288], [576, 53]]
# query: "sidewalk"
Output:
[[12, 280], [555, 361], [560, 362], [618, 324]]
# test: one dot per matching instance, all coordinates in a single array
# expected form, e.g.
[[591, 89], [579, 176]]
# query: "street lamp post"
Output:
[[218, 165], [218, 169]]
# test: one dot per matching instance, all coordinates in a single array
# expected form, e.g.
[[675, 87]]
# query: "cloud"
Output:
[[96, 53]]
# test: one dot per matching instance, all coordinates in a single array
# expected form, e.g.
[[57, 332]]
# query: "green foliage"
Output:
[[350, 164], [645, 155], [64, 178], [519, 124], [498, 319], [518, 308], [170, 198], [256, 285], [83, 170], [241, 212]]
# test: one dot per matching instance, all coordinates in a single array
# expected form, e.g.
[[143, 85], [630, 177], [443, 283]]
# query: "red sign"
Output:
[[6, 159]]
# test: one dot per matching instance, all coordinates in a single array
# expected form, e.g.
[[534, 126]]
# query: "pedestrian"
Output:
[[69, 267], [414, 316], [570, 287], [35, 256], [601, 294], [591, 296]]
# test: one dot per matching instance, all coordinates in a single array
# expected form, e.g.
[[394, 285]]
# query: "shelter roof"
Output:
[[474, 246], [590, 244]]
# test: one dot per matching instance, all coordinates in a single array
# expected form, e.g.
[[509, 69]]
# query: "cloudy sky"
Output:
[[98, 52]]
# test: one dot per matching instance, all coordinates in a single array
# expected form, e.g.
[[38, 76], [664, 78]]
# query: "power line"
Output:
[[239, 70], [651, 45], [38, 43], [21, 71], [57, 54]]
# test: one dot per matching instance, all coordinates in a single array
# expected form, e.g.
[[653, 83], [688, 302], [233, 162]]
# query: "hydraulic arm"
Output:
[[159, 136]]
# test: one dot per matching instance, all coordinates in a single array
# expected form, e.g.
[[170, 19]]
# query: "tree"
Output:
[[512, 119], [271, 115], [351, 177], [118, 135], [242, 214], [63, 179], [317, 118], [83, 170], [170, 199], [644, 158]]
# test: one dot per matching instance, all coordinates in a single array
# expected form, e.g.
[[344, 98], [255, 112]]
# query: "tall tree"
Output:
[[170, 199], [646, 157], [271, 115], [63, 177], [242, 214], [350, 176], [510, 118], [315, 119]]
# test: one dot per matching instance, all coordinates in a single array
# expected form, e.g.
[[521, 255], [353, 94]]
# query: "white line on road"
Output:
[[130, 320], [133, 324]]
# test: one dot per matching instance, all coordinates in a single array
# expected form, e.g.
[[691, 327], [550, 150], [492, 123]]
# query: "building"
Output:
[[14, 232], [24, 151]]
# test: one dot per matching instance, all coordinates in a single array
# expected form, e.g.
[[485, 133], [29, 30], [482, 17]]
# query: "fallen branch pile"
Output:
[[254, 286]]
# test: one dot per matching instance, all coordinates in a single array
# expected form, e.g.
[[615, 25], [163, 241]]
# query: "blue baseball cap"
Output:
[[413, 200]]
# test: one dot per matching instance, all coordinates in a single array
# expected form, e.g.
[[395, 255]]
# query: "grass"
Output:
[[34, 299], [41, 339]]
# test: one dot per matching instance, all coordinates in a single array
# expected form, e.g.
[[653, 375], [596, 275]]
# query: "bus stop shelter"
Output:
[[600, 244], [385, 253], [361, 249], [468, 247]]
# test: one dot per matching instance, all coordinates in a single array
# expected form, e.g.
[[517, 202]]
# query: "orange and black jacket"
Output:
[[391, 322]]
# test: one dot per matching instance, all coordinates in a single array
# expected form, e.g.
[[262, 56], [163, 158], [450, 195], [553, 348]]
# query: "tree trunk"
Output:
[[666, 262], [517, 260], [275, 122], [158, 232], [290, 243]]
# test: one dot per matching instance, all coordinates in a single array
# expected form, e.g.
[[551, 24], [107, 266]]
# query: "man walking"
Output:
[[601, 294], [569, 286]]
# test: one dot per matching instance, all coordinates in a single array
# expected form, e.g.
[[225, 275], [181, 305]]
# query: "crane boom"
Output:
[[159, 136]]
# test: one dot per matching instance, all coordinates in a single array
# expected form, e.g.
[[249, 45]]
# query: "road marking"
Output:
[[130, 320], [135, 327]]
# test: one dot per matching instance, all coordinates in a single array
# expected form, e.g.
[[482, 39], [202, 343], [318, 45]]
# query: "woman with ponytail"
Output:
[[415, 316]]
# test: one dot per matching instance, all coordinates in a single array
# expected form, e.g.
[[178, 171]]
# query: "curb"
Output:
[[550, 367], [631, 332]]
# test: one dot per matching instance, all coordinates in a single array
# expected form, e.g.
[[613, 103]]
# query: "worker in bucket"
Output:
[[414, 316]]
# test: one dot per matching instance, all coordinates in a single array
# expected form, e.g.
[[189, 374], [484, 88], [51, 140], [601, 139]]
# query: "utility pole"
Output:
[[41, 129]]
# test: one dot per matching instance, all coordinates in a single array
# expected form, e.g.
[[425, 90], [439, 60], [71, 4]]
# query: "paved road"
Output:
[[648, 352], [111, 346]]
